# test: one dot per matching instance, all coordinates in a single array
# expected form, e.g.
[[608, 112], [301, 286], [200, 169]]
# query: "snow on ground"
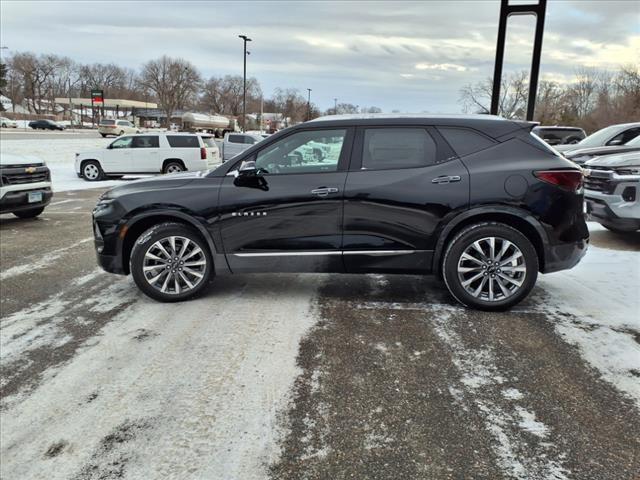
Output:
[[59, 153], [596, 306]]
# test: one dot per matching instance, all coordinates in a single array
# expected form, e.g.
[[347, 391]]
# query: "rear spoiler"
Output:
[[525, 124]]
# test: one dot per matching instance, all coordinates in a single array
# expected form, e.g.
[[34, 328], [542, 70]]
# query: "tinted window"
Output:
[[122, 122], [147, 141], [249, 140], [108, 122], [625, 136], [303, 152], [183, 141], [465, 141], [386, 148], [236, 139]]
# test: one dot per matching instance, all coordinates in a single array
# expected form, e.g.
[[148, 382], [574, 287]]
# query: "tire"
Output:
[[30, 213], [173, 167], [487, 273], [161, 234], [104, 135], [4, 125], [121, 133], [92, 171]]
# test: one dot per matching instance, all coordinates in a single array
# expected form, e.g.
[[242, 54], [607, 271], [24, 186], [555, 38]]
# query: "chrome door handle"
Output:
[[324, 191], [446, 179]]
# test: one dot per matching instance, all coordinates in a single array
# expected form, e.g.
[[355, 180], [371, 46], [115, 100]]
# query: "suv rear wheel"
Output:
[[490, 266], [170, 262], [173, 167]]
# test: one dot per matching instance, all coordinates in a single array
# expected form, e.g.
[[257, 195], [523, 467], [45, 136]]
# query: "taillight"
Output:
[[567, 179], [203, 153]]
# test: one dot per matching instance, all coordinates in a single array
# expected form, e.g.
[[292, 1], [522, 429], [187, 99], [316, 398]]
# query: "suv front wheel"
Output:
[[170, 262], [490, 266]]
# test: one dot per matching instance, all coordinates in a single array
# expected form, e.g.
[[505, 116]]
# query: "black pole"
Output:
[[506, 10], [535, 61], [309, 105], [244, 82], [335, 106], [497, 69]]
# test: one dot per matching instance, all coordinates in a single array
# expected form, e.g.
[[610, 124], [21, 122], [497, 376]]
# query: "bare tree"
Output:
[[175, 82], [513, 96], [371, 110], [224, 95]]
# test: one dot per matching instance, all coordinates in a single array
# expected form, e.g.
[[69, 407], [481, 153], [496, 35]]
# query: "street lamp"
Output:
[[309, 105], [245, 39], [335, 106]]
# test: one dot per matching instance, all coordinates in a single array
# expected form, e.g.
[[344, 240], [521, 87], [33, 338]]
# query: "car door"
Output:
[[287, 217], [144, 155], [117, 156], [401, 184]]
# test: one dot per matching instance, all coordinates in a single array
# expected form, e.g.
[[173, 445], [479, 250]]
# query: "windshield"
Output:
[[600, 137]]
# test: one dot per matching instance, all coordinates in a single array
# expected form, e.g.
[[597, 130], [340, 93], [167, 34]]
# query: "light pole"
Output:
[[335, 106], [309, 105], [245, 39]]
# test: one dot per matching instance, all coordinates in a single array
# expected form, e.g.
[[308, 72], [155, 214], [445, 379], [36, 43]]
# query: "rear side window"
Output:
[[107, 122], [124, 123], [465, 141], [388, 148], [183, 141], [236, 139], [146, 141]]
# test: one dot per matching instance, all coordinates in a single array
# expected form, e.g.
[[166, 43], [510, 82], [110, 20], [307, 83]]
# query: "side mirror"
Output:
[[248, 169], [615, 142]]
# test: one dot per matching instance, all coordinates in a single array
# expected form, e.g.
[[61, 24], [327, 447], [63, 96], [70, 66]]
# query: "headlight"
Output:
[[103, 205]]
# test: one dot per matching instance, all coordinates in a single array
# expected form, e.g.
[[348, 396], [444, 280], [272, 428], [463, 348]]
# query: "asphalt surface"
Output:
[[286, 376]]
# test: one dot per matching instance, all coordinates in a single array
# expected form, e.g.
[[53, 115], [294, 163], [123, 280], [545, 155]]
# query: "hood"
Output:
[[597, 151], [162, 182], [12, 159], [620, 160]]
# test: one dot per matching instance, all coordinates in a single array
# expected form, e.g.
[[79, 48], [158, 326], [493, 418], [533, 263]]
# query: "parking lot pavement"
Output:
[[309, 376]]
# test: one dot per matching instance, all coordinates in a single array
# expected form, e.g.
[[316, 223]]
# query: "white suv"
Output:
[[25, 185], [149, 153]]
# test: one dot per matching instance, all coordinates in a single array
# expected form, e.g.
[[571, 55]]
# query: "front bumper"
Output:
[[15, 201], [613, 199]]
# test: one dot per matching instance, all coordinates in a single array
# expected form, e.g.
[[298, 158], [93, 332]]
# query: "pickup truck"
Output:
[[235, 143], [25, 185]]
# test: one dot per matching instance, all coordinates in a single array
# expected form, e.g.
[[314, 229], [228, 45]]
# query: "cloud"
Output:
[[445, 67]]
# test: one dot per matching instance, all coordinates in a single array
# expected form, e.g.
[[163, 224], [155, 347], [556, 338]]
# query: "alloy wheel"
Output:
[[174, 265], [173, 168], [492, 269]]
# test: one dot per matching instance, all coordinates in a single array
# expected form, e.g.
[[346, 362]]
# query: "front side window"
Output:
[[249, 140], [303, 152], [389, 148], [122, 142], [146, 141], [236, 139], [625, 136], [183, 141]]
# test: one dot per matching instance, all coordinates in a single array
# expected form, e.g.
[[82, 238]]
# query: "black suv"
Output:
[[478, 200]]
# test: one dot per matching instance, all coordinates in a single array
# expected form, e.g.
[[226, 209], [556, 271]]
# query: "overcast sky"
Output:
[[410, 56]]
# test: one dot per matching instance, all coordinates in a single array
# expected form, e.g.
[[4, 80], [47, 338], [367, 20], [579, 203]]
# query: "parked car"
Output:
[[559, 135], [235, 143], [477, 199], [613, 135], [149, 153], [582, 155], [25, 185], [612, 191], [116, 127], [45, 125], [8, 123]]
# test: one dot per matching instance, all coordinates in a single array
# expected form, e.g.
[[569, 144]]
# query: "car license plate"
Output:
[[35, 197]]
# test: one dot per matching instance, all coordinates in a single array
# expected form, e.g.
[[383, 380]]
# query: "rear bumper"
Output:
[[564, 256], [15, 201]]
